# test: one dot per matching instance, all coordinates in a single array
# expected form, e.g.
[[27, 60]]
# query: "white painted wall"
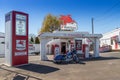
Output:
[[2, 47]]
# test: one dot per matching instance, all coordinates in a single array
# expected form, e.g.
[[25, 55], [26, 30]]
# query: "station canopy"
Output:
[[69, 34]]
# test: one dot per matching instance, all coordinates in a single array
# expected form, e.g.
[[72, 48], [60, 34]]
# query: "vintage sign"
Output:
[[16, 38], [20, 25], [68, 23], [20, 53], [69, 26], [20, 45]]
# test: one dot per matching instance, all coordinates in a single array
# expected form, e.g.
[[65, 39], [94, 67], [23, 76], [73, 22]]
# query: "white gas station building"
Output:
[[78, 37]]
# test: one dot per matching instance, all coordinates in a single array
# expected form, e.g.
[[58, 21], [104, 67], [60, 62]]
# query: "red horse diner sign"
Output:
[[68, 23]]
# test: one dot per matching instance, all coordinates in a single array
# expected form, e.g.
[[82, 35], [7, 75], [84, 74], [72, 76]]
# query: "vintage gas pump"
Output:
[[85, 50], [56, 50], [78, 46], [81, 49]]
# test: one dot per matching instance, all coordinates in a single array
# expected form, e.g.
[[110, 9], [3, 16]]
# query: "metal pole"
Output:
[[92, 26]]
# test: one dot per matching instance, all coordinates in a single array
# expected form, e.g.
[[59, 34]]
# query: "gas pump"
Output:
[[56, 50], [78, 46], [87, 52]]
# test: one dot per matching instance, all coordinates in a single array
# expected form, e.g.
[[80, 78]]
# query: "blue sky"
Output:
[[106, 13]]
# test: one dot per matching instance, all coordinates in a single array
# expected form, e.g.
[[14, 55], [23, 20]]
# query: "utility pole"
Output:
[[92, 25]]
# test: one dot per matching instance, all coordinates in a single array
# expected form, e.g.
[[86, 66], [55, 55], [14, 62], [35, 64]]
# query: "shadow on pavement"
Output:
[[100, 58], [67, 63], [43, 69]]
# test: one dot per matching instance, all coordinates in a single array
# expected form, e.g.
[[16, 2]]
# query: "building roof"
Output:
[[70, 35], [117, 29]]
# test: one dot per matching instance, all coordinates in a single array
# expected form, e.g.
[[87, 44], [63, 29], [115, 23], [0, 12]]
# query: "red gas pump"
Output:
[[84, 50], [78, 46]]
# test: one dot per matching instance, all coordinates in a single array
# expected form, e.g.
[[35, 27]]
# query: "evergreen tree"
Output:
[[37, 40], [31, 40]]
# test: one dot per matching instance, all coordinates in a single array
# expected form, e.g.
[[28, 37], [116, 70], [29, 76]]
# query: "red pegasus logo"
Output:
[[21, 42], [66, 19]]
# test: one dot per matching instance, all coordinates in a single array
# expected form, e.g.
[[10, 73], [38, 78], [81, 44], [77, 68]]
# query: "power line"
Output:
[[112, 7], [107, 11]]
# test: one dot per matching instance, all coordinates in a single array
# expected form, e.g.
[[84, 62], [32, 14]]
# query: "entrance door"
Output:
[[63, 47]]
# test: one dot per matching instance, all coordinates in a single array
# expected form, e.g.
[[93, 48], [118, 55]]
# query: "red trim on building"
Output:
[[114, 37]]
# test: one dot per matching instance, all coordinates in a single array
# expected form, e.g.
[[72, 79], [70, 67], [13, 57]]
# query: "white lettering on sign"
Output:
[[20, 44], [19, 16], [69, 26], [20, 53]]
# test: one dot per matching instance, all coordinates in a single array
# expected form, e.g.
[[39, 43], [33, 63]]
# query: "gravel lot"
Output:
[[105, 68]]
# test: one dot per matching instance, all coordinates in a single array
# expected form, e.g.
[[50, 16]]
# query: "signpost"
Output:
[[16, 38]]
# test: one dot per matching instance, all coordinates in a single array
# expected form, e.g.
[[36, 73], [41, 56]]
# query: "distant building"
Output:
[[112, 39], [2, 43]]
